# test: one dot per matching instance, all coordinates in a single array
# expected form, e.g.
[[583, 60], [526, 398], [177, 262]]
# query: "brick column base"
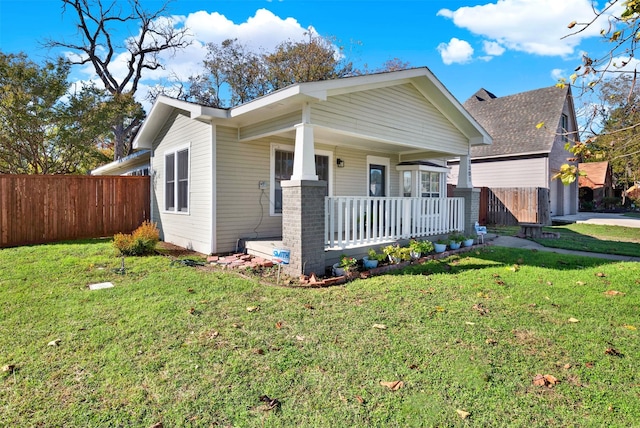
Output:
[[471, 207], [303, 226]]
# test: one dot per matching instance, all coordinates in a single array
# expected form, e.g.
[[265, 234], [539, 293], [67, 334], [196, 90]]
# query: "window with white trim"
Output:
[[282, 169], [176, 183], [430, 184]]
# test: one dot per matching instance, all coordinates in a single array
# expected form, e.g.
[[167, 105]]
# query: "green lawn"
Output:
[[177, 345], [594, 238]]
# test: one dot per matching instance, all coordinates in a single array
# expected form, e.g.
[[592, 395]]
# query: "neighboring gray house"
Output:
[[524, 154], [319, 167]]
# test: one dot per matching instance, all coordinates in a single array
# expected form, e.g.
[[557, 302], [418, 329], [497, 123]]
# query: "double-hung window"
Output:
[[176, 184], [282, 169]]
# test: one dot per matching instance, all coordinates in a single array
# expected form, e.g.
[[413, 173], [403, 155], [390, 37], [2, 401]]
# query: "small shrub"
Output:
[[142, 241]]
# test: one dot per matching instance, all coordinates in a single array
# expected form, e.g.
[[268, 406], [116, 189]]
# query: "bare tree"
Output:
[[97, 21]]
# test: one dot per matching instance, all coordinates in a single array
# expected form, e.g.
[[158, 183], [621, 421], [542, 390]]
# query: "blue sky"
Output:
[[505, 46]]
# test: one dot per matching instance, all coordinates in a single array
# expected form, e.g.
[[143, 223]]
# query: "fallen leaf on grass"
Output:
[[567, 366], [613, 352], [253, 308], [439, 309], [514, 268], [463, 413], [157, 425], [308, 306], [258, 351], [279, 325], [270, 403], [490, 341], [579, 283], [189, 290], [545, 380], [589, 365], [54, 342], [469, 323], [613, 293], [9, 368], [360, 399], [380, 326], [478, 307], [600, 274], [629, 327], [393, 386], [573, 320]]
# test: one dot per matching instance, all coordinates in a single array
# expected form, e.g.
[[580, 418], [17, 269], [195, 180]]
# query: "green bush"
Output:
[[142, 241]]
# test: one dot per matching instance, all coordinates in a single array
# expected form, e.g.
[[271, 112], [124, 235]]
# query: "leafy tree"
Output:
[[617, 137], [234, 74], [43, 128], [619, 140], [97, 22], [305, 61]]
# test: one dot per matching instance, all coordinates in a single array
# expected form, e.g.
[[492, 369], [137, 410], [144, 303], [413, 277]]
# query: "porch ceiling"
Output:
[[332, 137]]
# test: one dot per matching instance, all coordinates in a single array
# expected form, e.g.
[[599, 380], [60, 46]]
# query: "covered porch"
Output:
[[385, 141]]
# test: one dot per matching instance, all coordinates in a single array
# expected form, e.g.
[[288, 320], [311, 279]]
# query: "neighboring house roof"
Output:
[[596, 174], [511, 120], [291, 98], [125, 164]]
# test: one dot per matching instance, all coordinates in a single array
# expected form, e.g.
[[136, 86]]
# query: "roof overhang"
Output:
[[292, 98]]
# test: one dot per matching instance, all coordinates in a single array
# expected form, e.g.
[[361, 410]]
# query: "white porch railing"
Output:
[[352, 221]]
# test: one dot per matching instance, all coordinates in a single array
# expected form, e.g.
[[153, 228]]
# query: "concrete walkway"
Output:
[[513, 242]]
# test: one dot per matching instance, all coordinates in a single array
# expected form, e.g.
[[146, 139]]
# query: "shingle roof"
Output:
[[511, 120], [596, 174]]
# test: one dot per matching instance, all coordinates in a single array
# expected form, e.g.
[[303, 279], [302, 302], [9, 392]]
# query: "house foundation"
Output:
[[303, 220], [471, 207]]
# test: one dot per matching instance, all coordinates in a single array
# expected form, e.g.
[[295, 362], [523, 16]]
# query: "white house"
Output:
[[317, 166]]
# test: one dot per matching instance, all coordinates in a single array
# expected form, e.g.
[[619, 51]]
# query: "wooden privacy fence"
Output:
[[47, 208], [512, 205]]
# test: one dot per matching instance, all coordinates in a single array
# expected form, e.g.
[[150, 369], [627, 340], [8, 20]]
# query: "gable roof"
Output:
[[596, 174], [511, 120], [292, 97]]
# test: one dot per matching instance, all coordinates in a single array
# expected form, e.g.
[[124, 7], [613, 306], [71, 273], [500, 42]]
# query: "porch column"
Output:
[[471, 207], [304, 161], [303, 214], [464, 172]]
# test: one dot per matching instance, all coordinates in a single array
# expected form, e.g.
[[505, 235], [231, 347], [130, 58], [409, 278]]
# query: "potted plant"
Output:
[[419, 248], [372, 259], [455, 240], [468, 241], [440, 246], [397, 254], [345, 265]]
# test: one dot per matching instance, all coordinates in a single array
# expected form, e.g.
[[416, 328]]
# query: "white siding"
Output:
[[192, 230], [506, 173], [398, 113], [242, 208]]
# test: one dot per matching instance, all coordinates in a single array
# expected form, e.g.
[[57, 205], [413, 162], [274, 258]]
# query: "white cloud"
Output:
[[558, 73], [263, 31], [456, 51], [492, 48], [531, 26]]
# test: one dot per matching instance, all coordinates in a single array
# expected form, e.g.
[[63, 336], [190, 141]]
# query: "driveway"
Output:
[[611, 219]]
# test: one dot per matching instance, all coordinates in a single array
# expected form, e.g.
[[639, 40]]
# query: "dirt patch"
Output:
[[171, 250]]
